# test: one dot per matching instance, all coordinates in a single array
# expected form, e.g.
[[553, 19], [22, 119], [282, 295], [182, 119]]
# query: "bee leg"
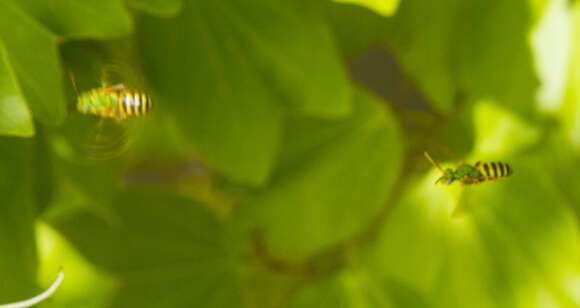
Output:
[[477, 181]]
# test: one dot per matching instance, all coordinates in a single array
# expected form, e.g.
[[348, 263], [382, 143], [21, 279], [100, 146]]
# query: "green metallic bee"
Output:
[[114, 104], [468, 174]]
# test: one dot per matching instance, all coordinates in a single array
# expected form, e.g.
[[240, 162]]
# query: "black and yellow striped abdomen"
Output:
[[114, 103], [133, 103], [493, 170]]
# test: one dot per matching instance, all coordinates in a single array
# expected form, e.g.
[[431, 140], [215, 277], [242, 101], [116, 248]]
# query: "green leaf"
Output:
[[18, 258], [384, 7], [44, 172], [15, 118], [309, 80], [84, 284], [33, 58], [233, 66], [415, 229], [169, 251], [357, 288], [369, 29], [78, 181], [474, 47], [570, 109], [418, 27], [332, 179], [538, 7], [79, 18], [500, 132], [561, 167], [233, 121], [158, 7], [552, 46], [491, 48]]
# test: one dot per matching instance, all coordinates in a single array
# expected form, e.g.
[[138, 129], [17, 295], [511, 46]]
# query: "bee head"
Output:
[[448, 177]]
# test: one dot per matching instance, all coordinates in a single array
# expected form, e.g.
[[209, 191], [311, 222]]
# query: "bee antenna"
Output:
[[432, 161], [72, 77]]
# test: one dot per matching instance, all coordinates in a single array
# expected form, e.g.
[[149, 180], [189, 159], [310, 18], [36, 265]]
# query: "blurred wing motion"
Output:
[[107, 139], [114, 105]]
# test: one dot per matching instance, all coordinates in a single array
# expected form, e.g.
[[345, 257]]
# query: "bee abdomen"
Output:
[[134, 104], [494, 170]]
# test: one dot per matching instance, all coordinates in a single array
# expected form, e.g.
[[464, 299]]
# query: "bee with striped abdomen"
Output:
[[114, 102], [114, 105], [493, 170], [468, 174]]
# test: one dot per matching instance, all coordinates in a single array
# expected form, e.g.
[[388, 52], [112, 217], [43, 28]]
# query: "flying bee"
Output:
[[115, 102], [114, 105], [468, 174]]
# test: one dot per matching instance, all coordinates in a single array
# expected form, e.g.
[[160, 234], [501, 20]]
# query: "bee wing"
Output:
[[111, 74], [122, 73], [108, 139]]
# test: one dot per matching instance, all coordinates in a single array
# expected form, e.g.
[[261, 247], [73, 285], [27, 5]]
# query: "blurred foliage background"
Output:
[[282, 164]]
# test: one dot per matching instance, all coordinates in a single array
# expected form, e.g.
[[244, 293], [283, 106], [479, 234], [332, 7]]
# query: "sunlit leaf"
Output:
[[484, 249], [416, 227], [506, 215], [384, 7], [358, 288], [552, 43], [539, 7], [499, 132], [570, 111], [561, 167], [15, 118], [85, 284]]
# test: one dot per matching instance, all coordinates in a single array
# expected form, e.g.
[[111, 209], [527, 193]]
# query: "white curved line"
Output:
[[40, 297]]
